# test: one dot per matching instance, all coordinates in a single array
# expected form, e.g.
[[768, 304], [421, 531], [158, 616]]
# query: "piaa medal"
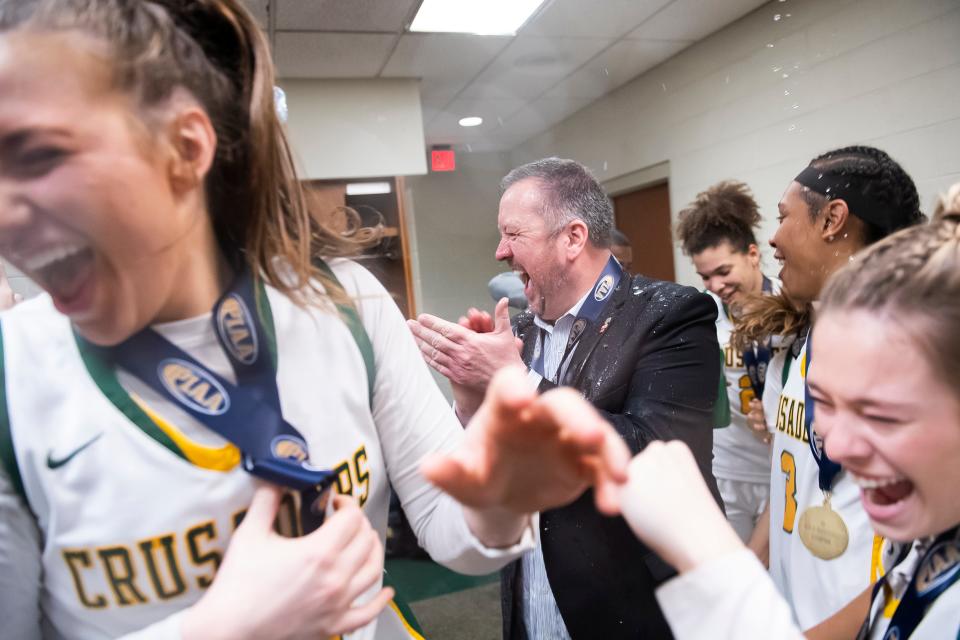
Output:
[[823, 531]]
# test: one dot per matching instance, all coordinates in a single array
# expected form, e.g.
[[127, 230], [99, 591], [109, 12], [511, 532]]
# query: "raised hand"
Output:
[[468, 356], [310, 587], [668, 506], [525, 453]]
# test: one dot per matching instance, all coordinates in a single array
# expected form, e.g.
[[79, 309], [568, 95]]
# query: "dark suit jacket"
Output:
[[649, 365]]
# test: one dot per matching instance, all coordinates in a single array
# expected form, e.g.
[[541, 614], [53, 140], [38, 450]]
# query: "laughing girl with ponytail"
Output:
[[205, 370]]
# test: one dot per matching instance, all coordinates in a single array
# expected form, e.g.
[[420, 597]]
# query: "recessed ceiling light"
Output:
[[471, 121], [482, 17]]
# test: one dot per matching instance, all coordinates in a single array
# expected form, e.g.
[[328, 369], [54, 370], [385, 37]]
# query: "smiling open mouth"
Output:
[[61, 271], [884, 491]]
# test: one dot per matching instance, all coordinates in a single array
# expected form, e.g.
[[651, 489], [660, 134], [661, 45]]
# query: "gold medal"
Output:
[[823, 531]]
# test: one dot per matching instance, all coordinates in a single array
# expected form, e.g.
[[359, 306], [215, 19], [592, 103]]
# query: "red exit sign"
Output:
[[443, 160]]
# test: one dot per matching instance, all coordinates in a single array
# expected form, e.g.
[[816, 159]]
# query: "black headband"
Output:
[[855, 191]]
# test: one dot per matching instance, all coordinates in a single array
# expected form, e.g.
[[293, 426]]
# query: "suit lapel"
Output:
[[591, 336]]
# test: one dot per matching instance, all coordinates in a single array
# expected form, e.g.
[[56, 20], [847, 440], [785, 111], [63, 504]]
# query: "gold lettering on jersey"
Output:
[[790, 416], [199, 557], [732, 358], [237, 325], [939, 566], [118, 566], [78, 560], [166, 563], [189, 385], [154, 570], [363, 476]]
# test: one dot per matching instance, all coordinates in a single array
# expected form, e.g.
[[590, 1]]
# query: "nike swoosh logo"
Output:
[[56, 463]]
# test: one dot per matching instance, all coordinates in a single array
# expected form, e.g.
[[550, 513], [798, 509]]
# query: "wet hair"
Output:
[[887, 185], [726, 212], [214, 50], [912, 278], [570, 192], [884, 182], [619, 238]]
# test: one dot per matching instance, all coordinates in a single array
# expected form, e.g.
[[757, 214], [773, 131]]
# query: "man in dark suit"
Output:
[[643, 352]]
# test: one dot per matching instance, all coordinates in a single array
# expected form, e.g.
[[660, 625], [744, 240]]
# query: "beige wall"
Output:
[[356, 128], [756, 100], [455, 231]]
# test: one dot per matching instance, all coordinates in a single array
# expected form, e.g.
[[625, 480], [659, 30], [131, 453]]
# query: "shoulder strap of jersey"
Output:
[[8, 458], [721, 408], [350, 316]]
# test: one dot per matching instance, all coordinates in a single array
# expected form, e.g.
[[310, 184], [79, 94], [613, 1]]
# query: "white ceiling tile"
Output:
[[608, 19], [343, 15], [617, 65], [420, 55], [693, 19], [331, 55], [444, 62], [530, 65]]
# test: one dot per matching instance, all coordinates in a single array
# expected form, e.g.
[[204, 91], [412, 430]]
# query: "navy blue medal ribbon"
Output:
[[248, 414], [756, 358], [936, 572], [590, 310], [829, 470]]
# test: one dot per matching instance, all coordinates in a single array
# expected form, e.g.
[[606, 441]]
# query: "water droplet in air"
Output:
[[819, 176], [792, 127], [775, 69], [469, 149], [663, 86], [796, 106], [604, 165], [606, 71], [726, 80], [769, 45], [777, 17], [786, 15], [500, 120], [786, 92], [785, 76]]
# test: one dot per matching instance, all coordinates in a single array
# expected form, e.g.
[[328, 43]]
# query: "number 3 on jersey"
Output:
[[789, 467]]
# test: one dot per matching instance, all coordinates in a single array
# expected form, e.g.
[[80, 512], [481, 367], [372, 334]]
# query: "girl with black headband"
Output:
[[823, 554], [887, 397]]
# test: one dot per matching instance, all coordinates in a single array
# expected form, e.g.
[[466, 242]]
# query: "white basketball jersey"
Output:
[[737, 453], [814, 588], [136, 517]]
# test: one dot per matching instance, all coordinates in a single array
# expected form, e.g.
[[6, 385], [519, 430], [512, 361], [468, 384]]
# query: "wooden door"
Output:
[[644, 217]]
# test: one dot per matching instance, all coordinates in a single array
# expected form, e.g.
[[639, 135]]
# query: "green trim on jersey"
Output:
[[352, 319], [265, 314], [8, 458], [721, 408], [105, 377]]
